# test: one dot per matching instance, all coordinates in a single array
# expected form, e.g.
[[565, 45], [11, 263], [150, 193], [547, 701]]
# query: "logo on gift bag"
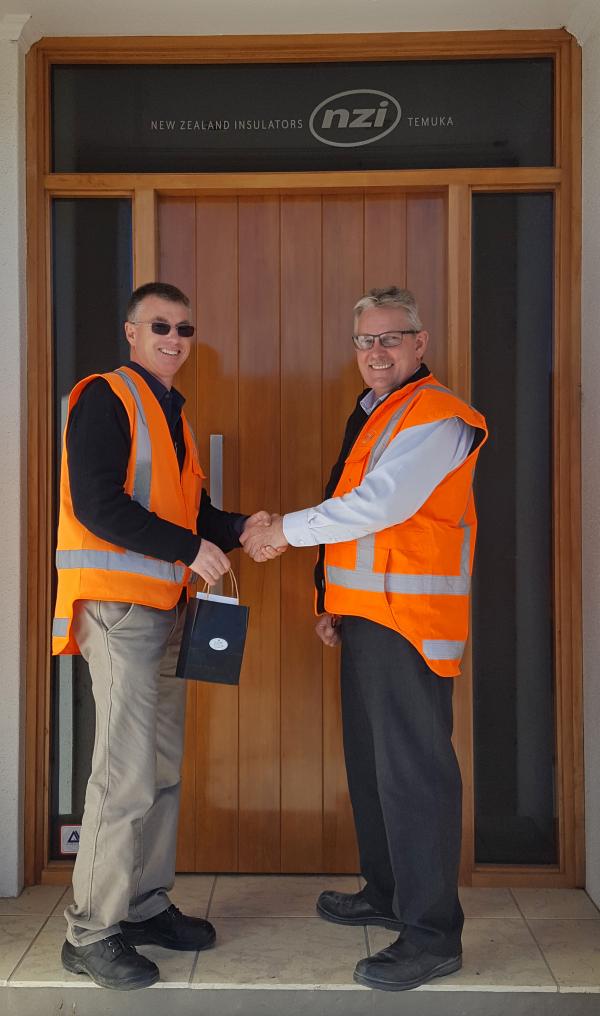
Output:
[[218, 644]]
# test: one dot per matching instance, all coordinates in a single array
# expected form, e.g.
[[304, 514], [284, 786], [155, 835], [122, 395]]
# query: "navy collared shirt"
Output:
[[171, 402]]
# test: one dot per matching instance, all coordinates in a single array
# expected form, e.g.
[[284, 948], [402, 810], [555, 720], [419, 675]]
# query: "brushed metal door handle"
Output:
[[215, 475]]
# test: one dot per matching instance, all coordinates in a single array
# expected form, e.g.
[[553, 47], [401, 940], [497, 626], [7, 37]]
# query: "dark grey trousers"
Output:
[[404, 782]]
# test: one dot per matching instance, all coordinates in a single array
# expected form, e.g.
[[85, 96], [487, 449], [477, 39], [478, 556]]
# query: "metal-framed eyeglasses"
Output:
[[386, 339], [184, 331]]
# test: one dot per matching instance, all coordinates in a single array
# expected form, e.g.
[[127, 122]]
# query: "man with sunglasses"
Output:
[[396, 535], [134, 526]]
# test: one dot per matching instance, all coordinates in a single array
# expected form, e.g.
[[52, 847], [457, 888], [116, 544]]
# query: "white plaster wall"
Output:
[[271, 17], [591, 448], [12, 487]]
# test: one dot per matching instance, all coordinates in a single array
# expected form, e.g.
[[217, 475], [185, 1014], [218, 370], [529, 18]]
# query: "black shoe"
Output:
[[403, 965], [172, 930], [353, 908], [111, 963]]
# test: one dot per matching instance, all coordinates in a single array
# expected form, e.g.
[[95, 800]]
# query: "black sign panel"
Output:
[[232, 118]]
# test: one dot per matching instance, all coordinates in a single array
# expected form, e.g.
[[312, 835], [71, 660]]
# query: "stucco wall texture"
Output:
[[12, 428], [590, 450]]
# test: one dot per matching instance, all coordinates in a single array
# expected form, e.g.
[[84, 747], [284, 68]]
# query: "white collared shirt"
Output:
[[409, 470]]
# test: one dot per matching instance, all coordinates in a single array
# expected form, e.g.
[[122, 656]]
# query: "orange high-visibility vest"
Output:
[[90, 568], [413, 577]]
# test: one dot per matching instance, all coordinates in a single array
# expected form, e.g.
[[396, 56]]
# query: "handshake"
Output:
[[262, 538]]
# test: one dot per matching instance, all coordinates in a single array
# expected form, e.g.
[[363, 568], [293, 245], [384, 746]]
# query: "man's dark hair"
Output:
[[163, 289]]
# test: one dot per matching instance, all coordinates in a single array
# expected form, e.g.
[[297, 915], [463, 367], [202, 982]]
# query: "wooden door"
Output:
[[274, 280]]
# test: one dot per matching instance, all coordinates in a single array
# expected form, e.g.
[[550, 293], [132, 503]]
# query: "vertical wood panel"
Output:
[[343, 284], [426, 273], [176, 264], [144, 236], [459, 379], [217, 705], [38, 537], [301, 656], [259, 739], [567, 478], [385, 240]]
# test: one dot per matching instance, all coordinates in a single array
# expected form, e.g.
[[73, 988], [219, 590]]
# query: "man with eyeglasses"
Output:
[[396, 535], [134, 526]]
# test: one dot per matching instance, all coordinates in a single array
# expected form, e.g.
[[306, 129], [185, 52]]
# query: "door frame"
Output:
[[564, 180]]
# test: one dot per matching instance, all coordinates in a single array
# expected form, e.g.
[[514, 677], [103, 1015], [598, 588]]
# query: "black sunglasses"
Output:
[[163, 328]]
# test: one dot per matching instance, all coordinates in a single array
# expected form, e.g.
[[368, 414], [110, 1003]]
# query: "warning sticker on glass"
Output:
[[69, 839]]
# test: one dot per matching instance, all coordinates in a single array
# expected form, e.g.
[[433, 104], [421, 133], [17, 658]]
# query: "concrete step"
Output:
[[291, 1000], [527, 952]]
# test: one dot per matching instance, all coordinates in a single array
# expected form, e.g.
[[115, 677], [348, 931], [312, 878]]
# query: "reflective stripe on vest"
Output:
[[363, 577], [142, 467], [384, 438], [60, 626], [443, 649], [128, 561]]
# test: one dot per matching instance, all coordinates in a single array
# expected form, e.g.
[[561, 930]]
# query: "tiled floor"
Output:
[[535, 940]]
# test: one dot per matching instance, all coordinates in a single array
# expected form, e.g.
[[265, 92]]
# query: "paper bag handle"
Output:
[[234, 585]]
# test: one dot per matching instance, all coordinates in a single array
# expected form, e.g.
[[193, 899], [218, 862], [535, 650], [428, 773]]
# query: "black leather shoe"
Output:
[[402, 966], [353, 908], [172, 930], [111, 963]]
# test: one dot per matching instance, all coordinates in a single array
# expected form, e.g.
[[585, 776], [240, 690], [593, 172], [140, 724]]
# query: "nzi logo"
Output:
[[358, 110]]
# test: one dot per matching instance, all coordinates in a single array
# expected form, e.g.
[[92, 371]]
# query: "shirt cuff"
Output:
[[296, 529], [238, 524]]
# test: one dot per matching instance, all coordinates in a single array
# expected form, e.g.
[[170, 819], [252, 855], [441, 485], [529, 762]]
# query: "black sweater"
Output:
[[98, 446]]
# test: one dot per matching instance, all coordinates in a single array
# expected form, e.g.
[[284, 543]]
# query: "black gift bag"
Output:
[[212, 646]]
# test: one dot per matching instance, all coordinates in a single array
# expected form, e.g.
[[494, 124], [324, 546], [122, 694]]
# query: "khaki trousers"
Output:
[[126, 859]]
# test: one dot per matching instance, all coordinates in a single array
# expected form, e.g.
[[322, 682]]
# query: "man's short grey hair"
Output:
[[391, 297]]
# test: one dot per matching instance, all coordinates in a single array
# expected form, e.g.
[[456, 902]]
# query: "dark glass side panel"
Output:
[[91, 281], [325, 116], [513, 667]]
